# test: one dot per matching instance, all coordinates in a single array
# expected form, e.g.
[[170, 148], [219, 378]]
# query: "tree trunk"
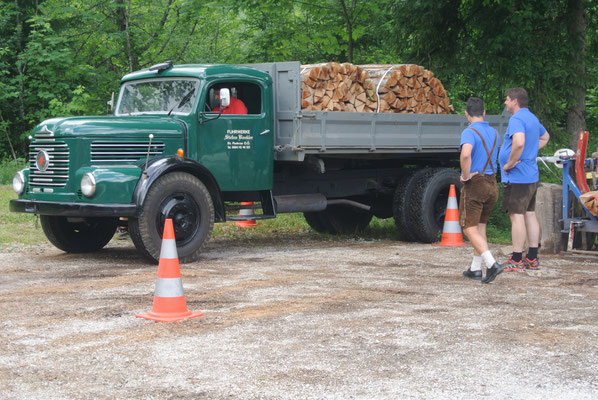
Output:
[[20, 67], [576, 29], [348, 19], [122, 21]]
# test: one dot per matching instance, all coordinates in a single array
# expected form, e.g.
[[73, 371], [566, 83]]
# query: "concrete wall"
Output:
[[549, 212]]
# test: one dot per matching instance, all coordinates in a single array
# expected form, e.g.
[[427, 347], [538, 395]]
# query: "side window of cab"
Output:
[[245, 98]]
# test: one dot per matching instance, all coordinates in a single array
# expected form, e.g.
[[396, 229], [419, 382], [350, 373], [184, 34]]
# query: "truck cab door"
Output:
[[237, 147]]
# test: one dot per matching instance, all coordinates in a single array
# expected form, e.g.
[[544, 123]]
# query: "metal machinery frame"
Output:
[[589, 222]]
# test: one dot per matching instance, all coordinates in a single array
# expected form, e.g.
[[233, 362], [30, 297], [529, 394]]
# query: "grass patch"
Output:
[[17, 228], [498, 229], [284, 225], [295, 224], [498, 235], [8, 168]]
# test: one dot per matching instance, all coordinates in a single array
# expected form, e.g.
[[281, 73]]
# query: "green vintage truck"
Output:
[[168, 152]]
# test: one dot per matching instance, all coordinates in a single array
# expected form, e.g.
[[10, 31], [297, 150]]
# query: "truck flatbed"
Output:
[[300, 132]]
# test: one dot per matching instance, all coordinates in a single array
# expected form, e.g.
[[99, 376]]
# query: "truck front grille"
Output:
[[57, 173], [110, 152]]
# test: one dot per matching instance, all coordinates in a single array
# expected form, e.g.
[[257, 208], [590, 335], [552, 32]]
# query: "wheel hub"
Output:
[[185, 215]]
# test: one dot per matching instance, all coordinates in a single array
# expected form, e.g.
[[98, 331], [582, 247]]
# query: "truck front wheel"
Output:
[[183, 198], [78, 235]]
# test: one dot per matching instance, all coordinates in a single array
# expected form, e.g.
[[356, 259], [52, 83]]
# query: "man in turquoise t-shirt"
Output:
[[524, 137], [479, 148]]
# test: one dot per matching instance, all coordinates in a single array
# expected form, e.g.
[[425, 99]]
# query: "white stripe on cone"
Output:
[[451, 227], [168, 250], [452, 203], [169, 287]]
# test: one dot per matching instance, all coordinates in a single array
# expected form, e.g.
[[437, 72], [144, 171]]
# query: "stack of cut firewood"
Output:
[[405, 88]]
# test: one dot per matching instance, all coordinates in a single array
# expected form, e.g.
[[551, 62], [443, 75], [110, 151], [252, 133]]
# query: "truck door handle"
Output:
[[265, 132]]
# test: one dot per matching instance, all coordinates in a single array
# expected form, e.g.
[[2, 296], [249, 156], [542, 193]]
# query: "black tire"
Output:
[[578, 243], [584, 243], [564, 241], [186, 200], [78, 235], [581, 240], [317, 221], [400, 203], [344, 219], [428, 200]]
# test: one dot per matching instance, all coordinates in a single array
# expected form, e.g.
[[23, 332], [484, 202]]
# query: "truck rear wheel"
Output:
[[78, 235], [344, 219], [318, 221], [428, 200], [183, 198], [338, 219], [400, 203]]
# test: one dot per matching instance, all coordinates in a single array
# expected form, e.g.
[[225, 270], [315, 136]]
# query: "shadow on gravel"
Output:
[[116, 256]]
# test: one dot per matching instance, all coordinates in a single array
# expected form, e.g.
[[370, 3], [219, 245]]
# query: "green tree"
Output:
[[64, 57], [34, 61], [61, 57], [483, 47], [317, 31]]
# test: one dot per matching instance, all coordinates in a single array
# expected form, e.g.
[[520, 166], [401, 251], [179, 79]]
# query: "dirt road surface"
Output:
[[295, 318]]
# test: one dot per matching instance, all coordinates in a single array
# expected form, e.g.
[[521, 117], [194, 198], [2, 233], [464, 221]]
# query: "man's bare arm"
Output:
[[516, 150], [543, 140]]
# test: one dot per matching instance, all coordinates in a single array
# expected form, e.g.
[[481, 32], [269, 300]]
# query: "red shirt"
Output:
[[236, 106]]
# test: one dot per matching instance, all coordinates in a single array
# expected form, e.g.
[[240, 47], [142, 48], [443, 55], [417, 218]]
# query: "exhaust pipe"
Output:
[[310, 203]]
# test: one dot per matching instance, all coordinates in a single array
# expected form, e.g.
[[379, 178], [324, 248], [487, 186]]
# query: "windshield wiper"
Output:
[[183, 101]]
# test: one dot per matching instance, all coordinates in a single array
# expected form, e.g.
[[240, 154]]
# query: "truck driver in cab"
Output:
[[236, 106]]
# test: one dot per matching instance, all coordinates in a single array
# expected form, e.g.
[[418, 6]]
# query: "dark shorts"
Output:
[[478, 197], [518, 198]]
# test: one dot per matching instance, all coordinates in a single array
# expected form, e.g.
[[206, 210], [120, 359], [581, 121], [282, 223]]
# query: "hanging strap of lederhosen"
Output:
[[488, 153]]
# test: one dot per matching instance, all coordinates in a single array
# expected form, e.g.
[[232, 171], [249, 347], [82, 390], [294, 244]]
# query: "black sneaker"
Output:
[[492, 272], [477, 275]]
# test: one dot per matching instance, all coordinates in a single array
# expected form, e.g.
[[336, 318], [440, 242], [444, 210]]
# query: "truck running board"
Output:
[[249, 217], [266, 204]]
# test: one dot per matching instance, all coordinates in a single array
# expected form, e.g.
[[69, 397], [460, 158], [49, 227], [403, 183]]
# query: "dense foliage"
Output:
[[60, 57]]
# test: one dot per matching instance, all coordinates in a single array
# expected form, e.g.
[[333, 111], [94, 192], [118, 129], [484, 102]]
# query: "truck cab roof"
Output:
[[201, 71]]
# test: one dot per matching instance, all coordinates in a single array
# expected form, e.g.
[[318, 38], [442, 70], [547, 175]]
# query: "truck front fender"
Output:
[[161, 166]]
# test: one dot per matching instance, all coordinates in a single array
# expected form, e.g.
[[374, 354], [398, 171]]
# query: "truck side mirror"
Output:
[[224, 98], [110, 105]]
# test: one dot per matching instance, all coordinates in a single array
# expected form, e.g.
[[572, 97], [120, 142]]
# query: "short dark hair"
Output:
[[475, 107], [221, 85], [520, 94]]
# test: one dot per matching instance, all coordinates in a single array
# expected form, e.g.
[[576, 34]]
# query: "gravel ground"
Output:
[[294, 318]]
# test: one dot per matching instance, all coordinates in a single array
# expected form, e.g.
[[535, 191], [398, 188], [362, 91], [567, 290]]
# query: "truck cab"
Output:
[[170, 150], [235, 148]]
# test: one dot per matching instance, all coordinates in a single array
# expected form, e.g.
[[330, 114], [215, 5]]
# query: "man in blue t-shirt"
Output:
[[479, 148], [524, 137]]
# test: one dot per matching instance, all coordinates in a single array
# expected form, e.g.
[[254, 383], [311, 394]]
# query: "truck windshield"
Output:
[[157, 96]]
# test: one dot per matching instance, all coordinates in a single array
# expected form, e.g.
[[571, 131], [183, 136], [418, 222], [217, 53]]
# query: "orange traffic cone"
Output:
[[452, 236], [169, 300], [250, 223]]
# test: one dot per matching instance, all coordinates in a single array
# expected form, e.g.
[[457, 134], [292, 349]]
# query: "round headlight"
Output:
[[18, 182], [88, 185]]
